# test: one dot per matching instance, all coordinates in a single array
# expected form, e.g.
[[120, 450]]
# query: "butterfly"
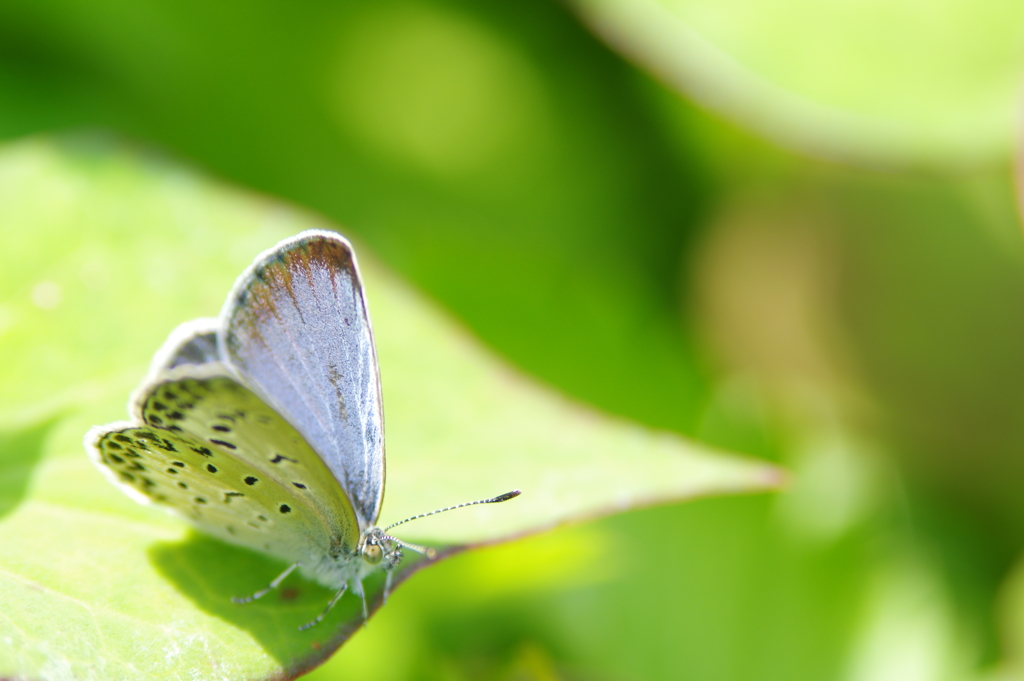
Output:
[[264, 427]]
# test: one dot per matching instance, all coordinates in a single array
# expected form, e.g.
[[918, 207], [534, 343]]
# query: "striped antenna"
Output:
[[495, 500]]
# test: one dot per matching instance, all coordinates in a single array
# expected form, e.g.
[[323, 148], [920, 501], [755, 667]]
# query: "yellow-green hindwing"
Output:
[[215, 453]]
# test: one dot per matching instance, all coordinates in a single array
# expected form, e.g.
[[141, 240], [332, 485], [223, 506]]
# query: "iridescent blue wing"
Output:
[[296, 329]]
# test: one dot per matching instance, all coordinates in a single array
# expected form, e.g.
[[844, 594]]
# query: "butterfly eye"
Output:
[[372, 554]]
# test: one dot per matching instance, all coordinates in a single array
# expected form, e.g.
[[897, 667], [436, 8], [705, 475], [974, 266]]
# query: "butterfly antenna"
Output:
[[494, 500]]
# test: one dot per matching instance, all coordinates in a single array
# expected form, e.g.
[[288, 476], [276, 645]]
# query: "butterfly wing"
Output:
[[193, 342], [213, 452], [296, 327]]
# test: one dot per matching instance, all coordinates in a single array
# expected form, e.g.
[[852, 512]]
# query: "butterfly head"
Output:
[[376, 548]]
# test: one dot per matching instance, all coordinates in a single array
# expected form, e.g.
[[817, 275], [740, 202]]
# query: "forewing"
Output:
[[297, 328], [214, 453]]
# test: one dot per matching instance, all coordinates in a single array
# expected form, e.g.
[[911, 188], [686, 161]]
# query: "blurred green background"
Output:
[[786, 228]]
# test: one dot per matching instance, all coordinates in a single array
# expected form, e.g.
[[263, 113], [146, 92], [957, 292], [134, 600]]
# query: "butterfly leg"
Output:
[[357, 586], [320, 617], [387, 584], [273, 585]]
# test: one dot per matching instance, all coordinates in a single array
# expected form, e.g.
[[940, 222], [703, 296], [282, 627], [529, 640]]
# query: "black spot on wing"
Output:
[[165, 445], [222, 443], [285, 508], [251, 480], [278, 458], [299, 485], [210, 467]]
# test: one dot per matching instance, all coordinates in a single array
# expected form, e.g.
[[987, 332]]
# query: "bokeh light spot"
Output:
[[435, 90], [46, 295]]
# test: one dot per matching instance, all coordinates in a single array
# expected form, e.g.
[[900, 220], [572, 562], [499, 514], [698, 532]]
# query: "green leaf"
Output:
[[105, 252], [905, 81]]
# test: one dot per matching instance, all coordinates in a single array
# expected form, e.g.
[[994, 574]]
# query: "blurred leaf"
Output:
[[108, 252], [902, 81]]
